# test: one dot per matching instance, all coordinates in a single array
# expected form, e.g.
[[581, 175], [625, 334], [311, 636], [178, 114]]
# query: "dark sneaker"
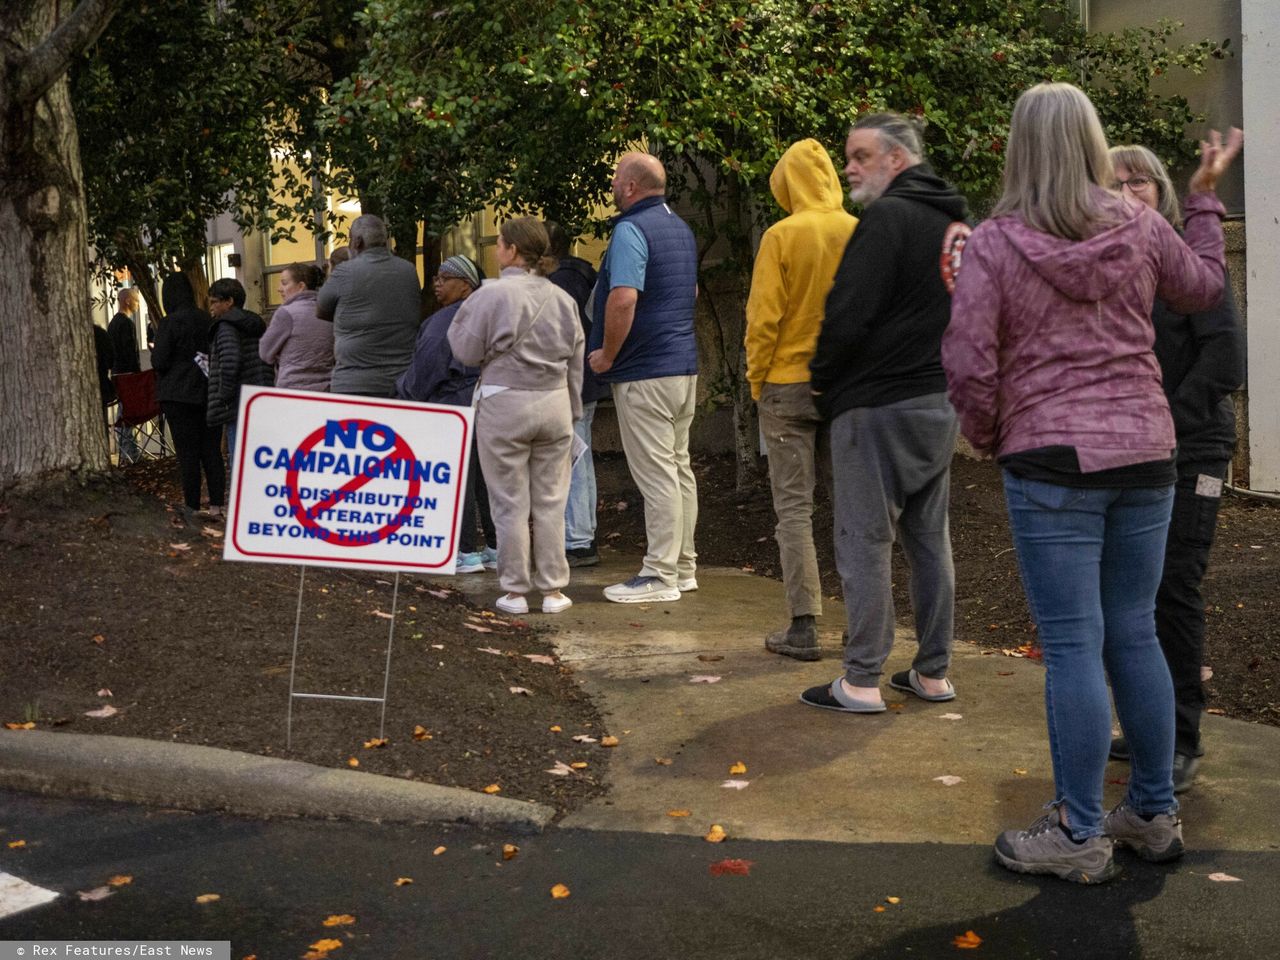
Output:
[[1157, 840], [582, 556], [799, 643], [1120, 749], [1184, 771], [1045, 847]]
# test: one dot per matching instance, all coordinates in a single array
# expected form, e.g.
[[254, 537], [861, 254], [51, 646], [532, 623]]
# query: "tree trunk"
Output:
[[431, 257], [50, 419], [746, 429]]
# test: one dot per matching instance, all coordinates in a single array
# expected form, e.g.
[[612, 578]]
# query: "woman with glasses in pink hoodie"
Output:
[[1051, 370]]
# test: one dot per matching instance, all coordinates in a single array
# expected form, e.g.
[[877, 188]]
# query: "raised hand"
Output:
[[1215, 158]]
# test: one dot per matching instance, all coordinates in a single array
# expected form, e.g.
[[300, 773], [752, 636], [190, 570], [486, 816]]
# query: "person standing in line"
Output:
[[1050, 366], [436, 376], [1202, 361], [374, 302], [336, 256], [106, 389], [233, 357], [524, 334], [124, 359], [297, 342], [794, 269], [577, 278], [642, 344], [182, 339], [877, 377]]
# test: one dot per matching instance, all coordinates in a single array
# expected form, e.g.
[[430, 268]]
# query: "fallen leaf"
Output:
[[1217, 711], [559, 891], [438, 850], [492, 788], [403, 881], [120, 880], [678, 813], [738, 768], [352, 762], [540, 658], [17, 844], [324, 946], [488, 614], [584, 738], [421, 733], [479, 629], [608, 741], [967, 941], [97, 893], [736, 784], [710, 657], [522, 690], [437, 646], [1004, 673], [716, 834], [104, 692], [509, 851], [384, 616], [878, 909], [339, 920], [179, 546], [554, 728], [663, 761], [948, 780], [29, 725], [1019, 771], [893, 900], [703, 678], [951, 716], [375, 743], [561, 769], [579, 765], [894, 706], [211, 531], [209, 898], [442, 594], [494, 650], [98, 638], [734, 867], [1224, 878], [1206, 673], [102, 712]]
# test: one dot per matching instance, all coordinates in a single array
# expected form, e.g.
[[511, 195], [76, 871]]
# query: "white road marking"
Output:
[[17, 895]]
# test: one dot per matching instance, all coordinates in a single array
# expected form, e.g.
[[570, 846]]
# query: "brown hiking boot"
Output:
[[798, 641]]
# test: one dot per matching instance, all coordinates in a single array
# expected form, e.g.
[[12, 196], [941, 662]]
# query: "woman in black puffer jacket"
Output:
[[233, 356]]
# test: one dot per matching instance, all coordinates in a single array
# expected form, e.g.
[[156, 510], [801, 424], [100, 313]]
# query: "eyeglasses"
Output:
[[1133, 183]]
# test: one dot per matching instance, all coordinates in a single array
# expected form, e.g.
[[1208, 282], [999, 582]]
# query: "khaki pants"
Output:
[[524, 439], [795, 438], [654, 417]]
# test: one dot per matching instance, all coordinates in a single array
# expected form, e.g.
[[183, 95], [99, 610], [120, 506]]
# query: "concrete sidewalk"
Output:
[[821, 775]]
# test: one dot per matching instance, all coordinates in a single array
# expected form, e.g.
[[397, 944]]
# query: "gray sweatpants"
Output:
[[892, 467]]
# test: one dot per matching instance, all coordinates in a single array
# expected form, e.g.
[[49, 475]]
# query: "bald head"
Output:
[[639, 175]]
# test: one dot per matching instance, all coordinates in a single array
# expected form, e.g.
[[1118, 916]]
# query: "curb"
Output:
[[197, 778]]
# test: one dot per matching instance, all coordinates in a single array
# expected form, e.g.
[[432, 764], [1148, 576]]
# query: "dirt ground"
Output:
[[1241, 588], [108, 603]]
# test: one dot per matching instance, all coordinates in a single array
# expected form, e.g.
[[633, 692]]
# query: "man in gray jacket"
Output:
[[373, 300]]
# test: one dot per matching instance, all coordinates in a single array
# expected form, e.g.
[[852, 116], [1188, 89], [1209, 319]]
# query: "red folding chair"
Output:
[[140, 415]]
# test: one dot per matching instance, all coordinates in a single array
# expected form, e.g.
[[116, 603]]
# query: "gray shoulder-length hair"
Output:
[[1140, 160], [1056, 161]]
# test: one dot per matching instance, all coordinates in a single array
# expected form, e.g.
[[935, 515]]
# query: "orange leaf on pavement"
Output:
[[339, 920], [352, 762], [554, 728], [892, 899], [663, 761], [438, 850], [579, 765], [17, 844], [509, 851], [608, 741], [559, 891], [403, 881], [119, 880], [492, 788], [878, 909], [738, 768], [209, 898], [734, 867], [375, 743], [967, 941], [421, 733], [678, 813], [324, 946], [29, 725], [716, 834]]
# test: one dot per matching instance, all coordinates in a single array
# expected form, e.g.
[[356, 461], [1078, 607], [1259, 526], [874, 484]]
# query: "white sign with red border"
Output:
[[330, 480]]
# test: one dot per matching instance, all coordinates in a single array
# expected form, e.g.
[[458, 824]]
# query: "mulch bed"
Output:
[[1243, 605], [108, 603]]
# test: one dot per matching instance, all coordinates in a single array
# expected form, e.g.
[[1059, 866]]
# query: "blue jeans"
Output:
[[1091, 562], [580, 508]]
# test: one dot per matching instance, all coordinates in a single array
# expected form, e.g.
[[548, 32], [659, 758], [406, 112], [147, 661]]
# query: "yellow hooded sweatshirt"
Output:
[[795, 266]]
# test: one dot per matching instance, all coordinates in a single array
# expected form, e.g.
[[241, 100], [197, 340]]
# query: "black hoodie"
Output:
[[233, 362], [881, 339], [182, 334]]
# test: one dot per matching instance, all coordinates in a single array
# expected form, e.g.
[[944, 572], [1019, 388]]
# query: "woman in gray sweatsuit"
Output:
[[524, 334]]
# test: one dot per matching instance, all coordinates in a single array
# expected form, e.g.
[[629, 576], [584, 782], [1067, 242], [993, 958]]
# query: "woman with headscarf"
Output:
[[524, 334], [1202, 361], [1050, 367]]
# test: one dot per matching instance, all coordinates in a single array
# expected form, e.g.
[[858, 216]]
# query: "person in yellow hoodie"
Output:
[[794, 269]]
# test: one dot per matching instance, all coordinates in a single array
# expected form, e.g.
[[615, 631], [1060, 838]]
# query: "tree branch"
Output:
[[42, 67]]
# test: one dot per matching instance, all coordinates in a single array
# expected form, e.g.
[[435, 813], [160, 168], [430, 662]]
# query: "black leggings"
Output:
[[477, 495], [197, 445]]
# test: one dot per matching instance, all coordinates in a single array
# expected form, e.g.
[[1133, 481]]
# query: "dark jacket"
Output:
[[180, 336], [881, 339], [124, 345], [435, 375], [577, 278], [234, 362], [102, 353], [1202, 360]]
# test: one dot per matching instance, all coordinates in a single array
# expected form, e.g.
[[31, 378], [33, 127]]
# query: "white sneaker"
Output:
[[518, 605], [687, 585], [556, 604], [641, 590]]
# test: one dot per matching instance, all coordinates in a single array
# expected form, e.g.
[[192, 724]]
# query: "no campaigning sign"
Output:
[[331, 480]]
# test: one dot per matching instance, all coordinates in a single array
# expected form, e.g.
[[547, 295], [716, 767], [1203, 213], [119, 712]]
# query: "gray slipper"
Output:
[[828, 698], [909, 681]]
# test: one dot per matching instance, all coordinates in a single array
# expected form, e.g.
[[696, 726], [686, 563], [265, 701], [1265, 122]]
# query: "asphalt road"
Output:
[[632, 895]]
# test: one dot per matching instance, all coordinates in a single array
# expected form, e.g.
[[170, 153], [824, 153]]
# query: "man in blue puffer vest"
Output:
[[642, 343]]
